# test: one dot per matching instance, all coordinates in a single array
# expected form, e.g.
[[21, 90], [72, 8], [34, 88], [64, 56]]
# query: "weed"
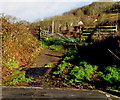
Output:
[[61, 67], [49, 65], [71, 52], [43, 44], [56, 47], [83, 72], [111, 77], [19, 76], [53, 41], [11, 64], [111, 74]]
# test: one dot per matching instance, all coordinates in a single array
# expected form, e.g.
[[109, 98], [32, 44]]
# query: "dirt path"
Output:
[[48, 56], [37, 69]]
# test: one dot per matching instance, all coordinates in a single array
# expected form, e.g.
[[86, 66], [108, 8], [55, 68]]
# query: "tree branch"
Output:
[[113, 54]]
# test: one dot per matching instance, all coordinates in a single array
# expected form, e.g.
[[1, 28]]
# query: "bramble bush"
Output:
[[111, 77], [19, 46]]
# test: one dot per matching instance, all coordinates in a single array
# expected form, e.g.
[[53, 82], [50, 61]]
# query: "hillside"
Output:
[[104, 12], [95, 9]]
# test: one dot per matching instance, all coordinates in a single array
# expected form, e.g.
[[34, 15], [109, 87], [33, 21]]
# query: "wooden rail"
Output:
[[87, 30], [107, 28]]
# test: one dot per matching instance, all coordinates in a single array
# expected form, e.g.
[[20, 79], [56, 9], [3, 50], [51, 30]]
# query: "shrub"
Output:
[[56, 47], [71, 52], [74, 74], [54, 41], [111, 74], [49, 65], [19, 76], [62, 68], [83, 72], [111, 78]]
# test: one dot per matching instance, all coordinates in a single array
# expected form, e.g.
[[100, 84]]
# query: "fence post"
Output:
[[116, 28], [53, 26]]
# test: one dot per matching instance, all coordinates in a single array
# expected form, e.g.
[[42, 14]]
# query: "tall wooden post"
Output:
[[39, 31], [52, 26], [116, 28]]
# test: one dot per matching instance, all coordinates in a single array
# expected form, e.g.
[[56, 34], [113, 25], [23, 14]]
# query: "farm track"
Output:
[[46, 57], [38, 68]]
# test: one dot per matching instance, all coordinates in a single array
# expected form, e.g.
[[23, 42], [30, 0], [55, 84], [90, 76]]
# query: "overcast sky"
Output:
[[32, 10]]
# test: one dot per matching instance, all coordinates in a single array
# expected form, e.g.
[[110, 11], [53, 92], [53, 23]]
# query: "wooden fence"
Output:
[[107, 28], [88, 30]]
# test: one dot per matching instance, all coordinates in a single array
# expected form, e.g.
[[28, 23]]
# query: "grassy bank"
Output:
[[19, 48]]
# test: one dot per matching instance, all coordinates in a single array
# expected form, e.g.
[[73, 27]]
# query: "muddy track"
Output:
[[38, 68], [48, 56]]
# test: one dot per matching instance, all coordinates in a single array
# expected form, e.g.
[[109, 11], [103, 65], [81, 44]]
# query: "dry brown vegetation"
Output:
[[19, 46]]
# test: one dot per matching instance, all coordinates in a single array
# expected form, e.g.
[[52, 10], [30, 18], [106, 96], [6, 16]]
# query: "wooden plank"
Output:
[[87, 29], [84, 36], [89, 26], [107, 29], [106, 26], [86, 33], [103, 31]]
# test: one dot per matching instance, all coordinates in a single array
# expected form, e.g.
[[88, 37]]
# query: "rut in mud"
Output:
[[38, 70], [47, 56]]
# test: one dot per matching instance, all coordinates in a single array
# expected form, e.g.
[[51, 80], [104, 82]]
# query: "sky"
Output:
[[32, 10]]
